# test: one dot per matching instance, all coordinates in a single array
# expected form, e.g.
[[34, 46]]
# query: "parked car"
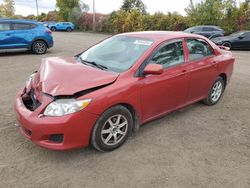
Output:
[[209, 31], [61, 26], [238, 40], [24, 35], [118, 85]]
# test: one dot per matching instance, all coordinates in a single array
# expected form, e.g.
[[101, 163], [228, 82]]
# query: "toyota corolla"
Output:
[[106, 92]]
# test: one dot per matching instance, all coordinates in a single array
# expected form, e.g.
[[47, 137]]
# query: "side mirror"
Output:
[[155, 69], [191, 31]]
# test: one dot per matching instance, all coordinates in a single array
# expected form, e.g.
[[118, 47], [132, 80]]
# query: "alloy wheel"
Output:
[[216, 91], [114, 130]]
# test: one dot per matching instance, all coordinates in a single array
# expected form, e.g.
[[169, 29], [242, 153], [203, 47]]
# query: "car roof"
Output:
[[19, 21], [160, 35]]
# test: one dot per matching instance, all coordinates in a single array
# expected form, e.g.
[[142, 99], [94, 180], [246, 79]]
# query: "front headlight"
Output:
[[62, 107], [29, 79]]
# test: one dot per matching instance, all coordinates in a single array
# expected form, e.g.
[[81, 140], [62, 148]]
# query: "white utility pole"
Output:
[[94, 15], [37, 13]]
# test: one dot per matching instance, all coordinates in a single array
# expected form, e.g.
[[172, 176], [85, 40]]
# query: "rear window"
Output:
[[21, 26], [4, 26]]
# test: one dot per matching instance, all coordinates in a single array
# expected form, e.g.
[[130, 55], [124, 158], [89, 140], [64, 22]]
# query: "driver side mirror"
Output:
[[154, 69]]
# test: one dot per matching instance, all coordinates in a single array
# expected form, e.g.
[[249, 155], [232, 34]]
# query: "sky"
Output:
[[27, 7]]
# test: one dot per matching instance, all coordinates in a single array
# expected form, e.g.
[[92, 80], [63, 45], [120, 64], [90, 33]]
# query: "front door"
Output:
[[5, 35], [166, 92]]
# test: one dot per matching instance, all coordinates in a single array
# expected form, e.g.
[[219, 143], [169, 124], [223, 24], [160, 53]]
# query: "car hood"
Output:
[[225, 38], [66, 76]]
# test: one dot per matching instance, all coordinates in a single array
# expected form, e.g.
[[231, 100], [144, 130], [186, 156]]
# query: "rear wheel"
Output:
[[39, 47], [227, 44], [215, 92], [53, 29], [112, 129], [69, 29]]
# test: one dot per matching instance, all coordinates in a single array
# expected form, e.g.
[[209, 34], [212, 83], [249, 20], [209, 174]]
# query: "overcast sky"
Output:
[[26, 7]]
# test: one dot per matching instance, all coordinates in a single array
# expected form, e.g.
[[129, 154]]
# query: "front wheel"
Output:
[[112, 129], [69, 29], [215, 92], [227, 44], [39, 47]]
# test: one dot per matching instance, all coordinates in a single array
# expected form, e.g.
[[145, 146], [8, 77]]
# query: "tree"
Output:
[[209, 12], [77, 13], [66, 7], [243, 16], [7, 8], [138, 5]]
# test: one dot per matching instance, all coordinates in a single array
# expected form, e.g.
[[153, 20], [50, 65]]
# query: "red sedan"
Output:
[[103, 94]]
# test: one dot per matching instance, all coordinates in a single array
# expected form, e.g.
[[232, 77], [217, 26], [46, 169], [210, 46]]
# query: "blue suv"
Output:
[[61, 26], [24, 34]]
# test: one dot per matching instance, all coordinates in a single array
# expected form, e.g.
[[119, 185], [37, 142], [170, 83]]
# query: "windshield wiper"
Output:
[[102, 67]]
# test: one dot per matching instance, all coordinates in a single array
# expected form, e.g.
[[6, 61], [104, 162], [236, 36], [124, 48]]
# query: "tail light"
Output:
[[48, 31]]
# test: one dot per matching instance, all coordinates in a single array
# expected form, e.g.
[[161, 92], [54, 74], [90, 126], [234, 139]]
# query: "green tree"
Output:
[[77, 13], [138, 5], [66, 7], [7, 8], [206, 12]]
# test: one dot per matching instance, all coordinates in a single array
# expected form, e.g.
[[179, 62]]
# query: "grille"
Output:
[[30, 101], [58, 138], [27, 131]]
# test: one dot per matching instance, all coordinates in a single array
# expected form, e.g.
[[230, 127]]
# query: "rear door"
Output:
[[22, 34], [201, 68], [5, 35]]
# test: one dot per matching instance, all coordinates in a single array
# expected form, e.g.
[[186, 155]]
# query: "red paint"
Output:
[[151, 95]]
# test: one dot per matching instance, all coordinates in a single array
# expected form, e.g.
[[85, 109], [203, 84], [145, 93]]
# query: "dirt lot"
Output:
[[197, 146]]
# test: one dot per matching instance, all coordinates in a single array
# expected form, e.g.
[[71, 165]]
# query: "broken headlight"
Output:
[[62, 107]]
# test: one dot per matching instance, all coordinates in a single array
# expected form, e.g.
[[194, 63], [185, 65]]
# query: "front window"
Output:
[[169, 55], [117, 53]]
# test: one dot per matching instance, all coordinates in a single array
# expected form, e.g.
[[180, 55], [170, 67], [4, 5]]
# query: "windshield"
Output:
[[117, 53], [236, 34]]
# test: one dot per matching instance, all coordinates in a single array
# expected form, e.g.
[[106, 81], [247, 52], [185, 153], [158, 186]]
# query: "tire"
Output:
[[69, 29], [227, 44], [215, 92], [53, 29], [39, 47], [116, 122]]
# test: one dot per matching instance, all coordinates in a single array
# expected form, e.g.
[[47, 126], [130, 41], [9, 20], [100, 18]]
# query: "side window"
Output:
[[247, 34], [169, 55], [198, 49], [4, 26], [207, 29], [20, 26]]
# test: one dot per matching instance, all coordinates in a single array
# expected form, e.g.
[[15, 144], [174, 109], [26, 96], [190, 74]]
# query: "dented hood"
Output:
[[66, 76]]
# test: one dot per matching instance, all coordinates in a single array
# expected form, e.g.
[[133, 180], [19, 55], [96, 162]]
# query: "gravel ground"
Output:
[[198, 146]]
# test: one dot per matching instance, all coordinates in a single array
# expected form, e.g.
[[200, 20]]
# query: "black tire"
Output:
[[99, 138], [53, 29], [227, 44], [211, 99], [69, 29], [39, 47]]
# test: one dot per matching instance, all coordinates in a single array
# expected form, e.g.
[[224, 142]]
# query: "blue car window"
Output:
[[4, 26], [20, 26]]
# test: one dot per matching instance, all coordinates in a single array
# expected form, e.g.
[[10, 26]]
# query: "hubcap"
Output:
[[40, 47], [114, 129], [216, 91]]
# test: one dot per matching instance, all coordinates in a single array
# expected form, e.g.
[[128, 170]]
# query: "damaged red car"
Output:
[[100, 96]]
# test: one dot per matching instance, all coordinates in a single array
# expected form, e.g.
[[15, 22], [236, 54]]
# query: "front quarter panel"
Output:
[[123, 91]]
